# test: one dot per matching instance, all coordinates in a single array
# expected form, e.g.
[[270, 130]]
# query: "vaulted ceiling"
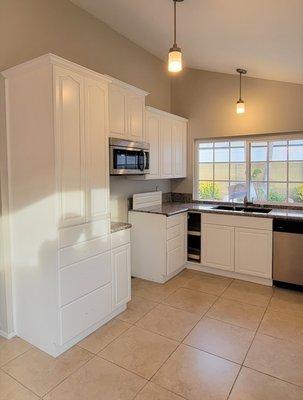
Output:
[[263, 36]]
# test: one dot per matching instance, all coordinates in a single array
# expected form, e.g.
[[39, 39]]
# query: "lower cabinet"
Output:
[[121, 269], [158, 245], [253, 252], [218, 246], [238, 244]]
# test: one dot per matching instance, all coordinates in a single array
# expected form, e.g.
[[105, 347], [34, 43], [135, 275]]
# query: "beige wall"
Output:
[[208, 99], [30, 28]]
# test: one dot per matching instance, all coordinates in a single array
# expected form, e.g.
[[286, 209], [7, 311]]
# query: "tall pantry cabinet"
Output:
[[58, 189]]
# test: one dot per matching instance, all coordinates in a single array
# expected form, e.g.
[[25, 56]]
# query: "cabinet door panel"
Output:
[[153, 138], [69, 117], [175, 259], [96, 133], [135, 112], [121, 267], [117, 111], [218, 246], [179, 149], [166, 148], [253, 252]]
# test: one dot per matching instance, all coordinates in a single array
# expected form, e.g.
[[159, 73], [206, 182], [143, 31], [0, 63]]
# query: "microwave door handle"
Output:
[[141, 161]]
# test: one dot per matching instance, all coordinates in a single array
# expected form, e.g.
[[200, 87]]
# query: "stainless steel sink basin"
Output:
[[228, 208], [244, 209], [257, 210]]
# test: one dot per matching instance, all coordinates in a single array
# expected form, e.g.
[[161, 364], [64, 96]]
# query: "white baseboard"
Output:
[[229, 274], [7, 335]]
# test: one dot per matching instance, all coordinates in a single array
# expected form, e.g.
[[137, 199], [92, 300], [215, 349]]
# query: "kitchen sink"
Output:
[[244, 209], [228, 208], [257, 210]]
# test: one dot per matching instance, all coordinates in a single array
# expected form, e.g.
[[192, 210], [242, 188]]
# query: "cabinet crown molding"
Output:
[[127, 86], [52, 59], [165, 113]]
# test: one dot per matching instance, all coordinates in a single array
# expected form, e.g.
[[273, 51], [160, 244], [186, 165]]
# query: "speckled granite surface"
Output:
[[119, 226], [169, 209]]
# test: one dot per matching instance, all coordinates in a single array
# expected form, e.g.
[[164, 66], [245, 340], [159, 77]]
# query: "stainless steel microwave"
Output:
[[128, 158]]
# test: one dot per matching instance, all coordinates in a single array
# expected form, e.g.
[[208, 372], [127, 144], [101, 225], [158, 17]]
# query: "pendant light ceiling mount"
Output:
[[175, 54], [240, 102]]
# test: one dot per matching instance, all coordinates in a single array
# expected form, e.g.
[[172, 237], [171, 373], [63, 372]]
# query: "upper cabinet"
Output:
[[81, 131], [126, 111], [167, 135]]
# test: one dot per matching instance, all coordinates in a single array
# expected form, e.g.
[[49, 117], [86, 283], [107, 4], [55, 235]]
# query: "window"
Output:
[[264, 170]]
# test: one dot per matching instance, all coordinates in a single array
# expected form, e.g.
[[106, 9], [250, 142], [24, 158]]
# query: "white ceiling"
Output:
[[264, 36]]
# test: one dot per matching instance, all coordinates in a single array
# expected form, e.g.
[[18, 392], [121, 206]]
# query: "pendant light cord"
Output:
[[175, 23], [240, 98]]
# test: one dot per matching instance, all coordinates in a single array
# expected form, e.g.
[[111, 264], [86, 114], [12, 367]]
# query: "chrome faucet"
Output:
[[246, 202]]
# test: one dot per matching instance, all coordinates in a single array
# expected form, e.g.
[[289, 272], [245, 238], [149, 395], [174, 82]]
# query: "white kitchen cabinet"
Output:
[[167, 135], [58, 176], [121, 266], [239, 245], [253, 252], [179, 139], [158, 245], [218, 246], [69, 119], [126, 111], [152, 136]]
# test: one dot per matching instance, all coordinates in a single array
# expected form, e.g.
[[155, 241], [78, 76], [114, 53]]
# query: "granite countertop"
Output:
[[174, 208], [119, 226]]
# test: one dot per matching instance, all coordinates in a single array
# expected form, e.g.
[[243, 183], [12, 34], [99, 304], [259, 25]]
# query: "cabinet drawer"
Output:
[[84, 277], [239, 221], [81, 314], [84, 232], [81, 251], [174, 231], [120, 238], [175, 260], [174, 243], [174, 220]]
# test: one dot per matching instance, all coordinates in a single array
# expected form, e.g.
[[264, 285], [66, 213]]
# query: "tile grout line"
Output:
[[20, 383], [253, 339]]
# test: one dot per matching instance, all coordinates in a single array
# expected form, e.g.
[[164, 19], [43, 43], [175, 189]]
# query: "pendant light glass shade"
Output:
[[175, 60], [240, 107], [240, 102], [175, 54]]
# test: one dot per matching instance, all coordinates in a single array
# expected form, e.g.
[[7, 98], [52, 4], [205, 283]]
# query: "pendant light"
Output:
[[240, 102], [175, 54]]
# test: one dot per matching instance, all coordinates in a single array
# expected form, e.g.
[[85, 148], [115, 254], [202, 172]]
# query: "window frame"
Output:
[[248, 141]]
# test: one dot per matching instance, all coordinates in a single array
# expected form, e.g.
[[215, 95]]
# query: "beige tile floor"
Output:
[[199, 336]]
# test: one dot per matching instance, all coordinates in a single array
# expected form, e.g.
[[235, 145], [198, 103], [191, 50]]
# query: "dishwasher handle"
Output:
[[287, 226]]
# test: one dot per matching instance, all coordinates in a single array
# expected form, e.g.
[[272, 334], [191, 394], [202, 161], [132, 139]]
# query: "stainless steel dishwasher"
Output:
[[288, 253]]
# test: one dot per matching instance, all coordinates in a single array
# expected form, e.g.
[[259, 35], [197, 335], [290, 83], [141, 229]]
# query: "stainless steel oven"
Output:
[[128, 158]]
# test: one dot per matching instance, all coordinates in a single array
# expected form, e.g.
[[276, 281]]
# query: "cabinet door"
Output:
[[218, 246], [175, 259], [166, 148], [121, 267], [135, 116], [69, 125], [117, 111], [179, 149], [253, 252], [153, 138], [96, 137]]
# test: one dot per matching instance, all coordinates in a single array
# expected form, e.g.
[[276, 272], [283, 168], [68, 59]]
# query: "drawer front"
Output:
[[84, 232], [174, 220], [84, 277], [120, 238], [174, 243], [174, 232], [87, 311], [175, 260], [237, 221], [81, 251]]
